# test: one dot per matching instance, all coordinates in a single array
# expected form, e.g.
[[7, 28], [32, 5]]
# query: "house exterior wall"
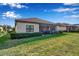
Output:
[[60, 28], [44, 28], [49, 28], [21, 27]]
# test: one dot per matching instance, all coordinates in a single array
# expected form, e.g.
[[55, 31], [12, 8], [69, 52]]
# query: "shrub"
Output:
[[23, 35]]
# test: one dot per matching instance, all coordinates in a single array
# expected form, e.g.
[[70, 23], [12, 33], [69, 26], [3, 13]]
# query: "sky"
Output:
[[54, 12]]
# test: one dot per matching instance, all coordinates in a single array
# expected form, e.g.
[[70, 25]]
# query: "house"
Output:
[[1, 29], [61, 27], [66, 27], [77, 25], [72, 28], [30, 25]]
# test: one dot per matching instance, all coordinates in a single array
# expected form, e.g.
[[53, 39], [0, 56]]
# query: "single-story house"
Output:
[[77, 25], [61, 27], [66, 27], [30, 25], [72, 28]]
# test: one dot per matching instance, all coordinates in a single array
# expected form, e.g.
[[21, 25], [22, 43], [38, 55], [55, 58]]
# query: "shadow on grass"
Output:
[[16, 42]]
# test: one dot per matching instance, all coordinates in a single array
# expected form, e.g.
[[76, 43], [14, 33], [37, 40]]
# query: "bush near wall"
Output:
[[23, 35]]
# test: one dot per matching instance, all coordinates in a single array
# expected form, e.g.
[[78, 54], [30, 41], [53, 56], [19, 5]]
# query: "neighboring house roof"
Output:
[[62, 24], [34, 20]]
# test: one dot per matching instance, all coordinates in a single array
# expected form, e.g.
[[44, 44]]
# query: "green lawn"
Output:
[[1, 33], [4, 36], [55, 44]]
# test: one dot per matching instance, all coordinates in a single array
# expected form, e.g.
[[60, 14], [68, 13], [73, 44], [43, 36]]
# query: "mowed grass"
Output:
[[66, 44], [4, 36], [1, 33]]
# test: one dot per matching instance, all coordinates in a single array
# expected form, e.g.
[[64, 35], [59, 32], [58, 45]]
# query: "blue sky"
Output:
[[54, 12]]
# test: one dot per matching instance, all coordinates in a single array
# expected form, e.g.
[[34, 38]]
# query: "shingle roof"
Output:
[[34, 20]]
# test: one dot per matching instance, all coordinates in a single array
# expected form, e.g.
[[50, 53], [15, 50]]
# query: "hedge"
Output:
[[23, 35]]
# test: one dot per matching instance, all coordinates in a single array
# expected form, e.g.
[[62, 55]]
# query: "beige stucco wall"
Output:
[[21, 27], [60, 28]]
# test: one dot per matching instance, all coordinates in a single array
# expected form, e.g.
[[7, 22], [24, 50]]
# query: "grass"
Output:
[[66, 44], [4, 37], [1, 33]]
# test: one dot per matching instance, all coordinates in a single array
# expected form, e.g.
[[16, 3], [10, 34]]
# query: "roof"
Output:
[[63, 24], [33, 20]]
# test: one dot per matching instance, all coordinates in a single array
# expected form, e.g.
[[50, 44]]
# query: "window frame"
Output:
[[30, 28]]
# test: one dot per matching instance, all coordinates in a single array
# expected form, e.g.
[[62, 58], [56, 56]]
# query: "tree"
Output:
[[7, 28]]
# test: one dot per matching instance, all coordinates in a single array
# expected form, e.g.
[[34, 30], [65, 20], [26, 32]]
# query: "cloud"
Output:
[[68, 3], [72, 4], [64, 9], [72, 16], [10, 14], [16, 5]]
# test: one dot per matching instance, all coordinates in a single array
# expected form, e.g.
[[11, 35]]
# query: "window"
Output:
[[29, 28]]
